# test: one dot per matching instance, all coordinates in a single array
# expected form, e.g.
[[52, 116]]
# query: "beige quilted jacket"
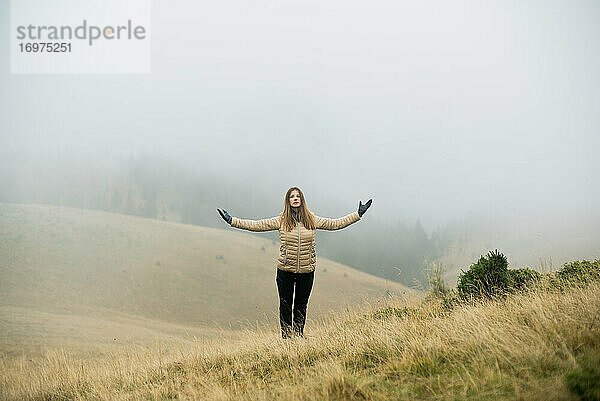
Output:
[[297, 251]]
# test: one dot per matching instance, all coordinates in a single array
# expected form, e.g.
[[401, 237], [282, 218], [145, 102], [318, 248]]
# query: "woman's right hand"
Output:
[[225, 215]]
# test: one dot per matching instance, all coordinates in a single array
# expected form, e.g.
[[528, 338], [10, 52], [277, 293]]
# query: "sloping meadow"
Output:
[[541, 344]]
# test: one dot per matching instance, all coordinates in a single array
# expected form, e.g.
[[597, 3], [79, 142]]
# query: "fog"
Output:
[[436, 110]]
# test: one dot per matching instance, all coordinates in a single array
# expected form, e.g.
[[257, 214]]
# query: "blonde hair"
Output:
[[305, 216]]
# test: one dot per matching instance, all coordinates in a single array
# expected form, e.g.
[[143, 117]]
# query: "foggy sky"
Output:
[[435, 109]]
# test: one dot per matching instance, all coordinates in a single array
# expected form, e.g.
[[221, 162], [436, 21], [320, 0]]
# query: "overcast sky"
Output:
[[436, 109]]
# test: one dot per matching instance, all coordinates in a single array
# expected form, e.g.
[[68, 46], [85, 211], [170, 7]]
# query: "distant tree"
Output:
[[129, 207], [488, 277], [116, 200]]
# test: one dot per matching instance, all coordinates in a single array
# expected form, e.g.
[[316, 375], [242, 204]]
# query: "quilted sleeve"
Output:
[[256, 225], [325, 223]]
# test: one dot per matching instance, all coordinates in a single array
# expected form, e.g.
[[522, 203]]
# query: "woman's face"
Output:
[[295, 198]]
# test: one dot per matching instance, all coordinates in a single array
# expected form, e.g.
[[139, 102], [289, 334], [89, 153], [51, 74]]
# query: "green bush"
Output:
[[488, 277], [579, 271], [521, 278]]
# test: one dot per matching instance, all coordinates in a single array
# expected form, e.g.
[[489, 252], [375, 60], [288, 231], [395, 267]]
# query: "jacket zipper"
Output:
[[310, 254], [298, 268], [310, 250]]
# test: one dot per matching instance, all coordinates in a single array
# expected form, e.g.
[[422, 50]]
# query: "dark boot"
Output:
[[286, 331]]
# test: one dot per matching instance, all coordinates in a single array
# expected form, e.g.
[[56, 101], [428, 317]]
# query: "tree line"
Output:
[[155, 186]]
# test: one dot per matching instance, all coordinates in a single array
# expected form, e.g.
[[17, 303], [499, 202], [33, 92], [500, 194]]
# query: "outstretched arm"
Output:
[[256, 225], [326, 223], [251, 225]]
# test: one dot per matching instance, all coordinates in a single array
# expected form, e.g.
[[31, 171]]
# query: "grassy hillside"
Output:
[[71, 275], [542, 345]]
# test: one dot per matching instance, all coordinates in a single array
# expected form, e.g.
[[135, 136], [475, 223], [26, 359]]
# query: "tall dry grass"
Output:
[[517, 348]]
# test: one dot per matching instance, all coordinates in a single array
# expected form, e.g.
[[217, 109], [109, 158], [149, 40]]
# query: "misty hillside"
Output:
[[156, 186], [74, 261]]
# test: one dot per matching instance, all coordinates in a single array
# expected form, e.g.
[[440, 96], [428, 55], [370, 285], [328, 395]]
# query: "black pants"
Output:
[[285, 287]]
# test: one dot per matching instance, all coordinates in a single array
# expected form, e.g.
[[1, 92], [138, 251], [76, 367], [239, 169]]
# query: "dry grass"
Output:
[[518, 348]]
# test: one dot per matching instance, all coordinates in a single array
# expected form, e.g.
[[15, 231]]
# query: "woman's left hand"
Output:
[[363, 208]]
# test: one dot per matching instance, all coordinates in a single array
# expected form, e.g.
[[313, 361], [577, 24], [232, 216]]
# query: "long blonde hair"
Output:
[[305, 215]]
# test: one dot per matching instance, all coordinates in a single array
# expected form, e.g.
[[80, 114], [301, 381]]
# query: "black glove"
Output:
[[225, 215], [363, 208]]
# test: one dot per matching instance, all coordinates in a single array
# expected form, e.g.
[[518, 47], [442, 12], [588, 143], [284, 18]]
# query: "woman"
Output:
[[297, 257]]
